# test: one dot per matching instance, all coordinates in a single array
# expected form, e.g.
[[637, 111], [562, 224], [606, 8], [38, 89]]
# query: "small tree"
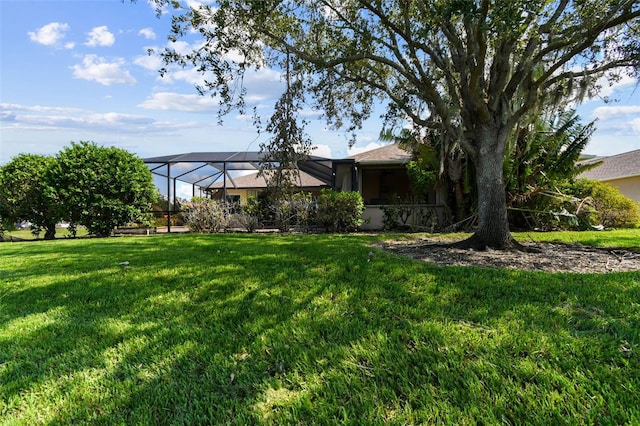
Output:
[[281, 154], [26, 193], [102, 188]]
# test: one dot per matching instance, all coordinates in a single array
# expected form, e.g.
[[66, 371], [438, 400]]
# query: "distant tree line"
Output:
[[84, 184]]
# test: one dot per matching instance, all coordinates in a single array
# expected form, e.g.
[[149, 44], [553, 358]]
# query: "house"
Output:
[[621, 171], [380, 175]]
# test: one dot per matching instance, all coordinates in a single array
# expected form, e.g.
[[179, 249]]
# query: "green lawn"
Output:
[[27, 235], [307, 329]]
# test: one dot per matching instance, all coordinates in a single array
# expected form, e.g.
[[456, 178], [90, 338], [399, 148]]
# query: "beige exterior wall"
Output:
[[630, 187], [243, 193], [374, 217]]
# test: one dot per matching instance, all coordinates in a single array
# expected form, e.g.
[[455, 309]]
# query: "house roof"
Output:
[[619, 166], [389, 154], [253, 181]]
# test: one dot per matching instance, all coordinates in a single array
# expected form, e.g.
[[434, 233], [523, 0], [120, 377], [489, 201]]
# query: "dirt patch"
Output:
[[552, 257]]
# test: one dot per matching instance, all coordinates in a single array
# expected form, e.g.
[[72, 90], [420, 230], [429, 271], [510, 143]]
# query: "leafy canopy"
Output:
[[27, 194], [102, 187], [456, 64]]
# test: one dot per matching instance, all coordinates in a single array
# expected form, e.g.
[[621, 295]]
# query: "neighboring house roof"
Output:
[[619, 166], [253, 181], [389, 154]]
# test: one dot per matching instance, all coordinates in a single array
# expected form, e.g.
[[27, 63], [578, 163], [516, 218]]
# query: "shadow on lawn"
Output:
[[233, 329]]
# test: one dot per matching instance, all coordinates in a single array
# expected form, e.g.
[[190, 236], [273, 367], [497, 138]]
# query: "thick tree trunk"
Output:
[[461, 211], [50, 232], [493, 225]]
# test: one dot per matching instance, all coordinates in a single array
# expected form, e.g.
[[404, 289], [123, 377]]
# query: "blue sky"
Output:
[[73, 70]]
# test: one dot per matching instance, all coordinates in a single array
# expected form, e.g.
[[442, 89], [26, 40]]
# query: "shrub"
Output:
[[340, 211], [206, 215], [289, 210], [249, 217], [248, 222], [609, 207], [304, 207], [284, 213]]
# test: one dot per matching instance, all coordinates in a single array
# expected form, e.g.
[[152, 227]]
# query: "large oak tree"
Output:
[[472, 69]]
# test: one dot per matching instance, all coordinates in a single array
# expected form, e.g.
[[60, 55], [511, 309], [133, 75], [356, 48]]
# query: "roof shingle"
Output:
[[619, 166], [389, 154]]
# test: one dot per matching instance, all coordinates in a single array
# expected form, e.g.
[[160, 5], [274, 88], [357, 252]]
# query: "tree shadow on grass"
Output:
[[231, 329]]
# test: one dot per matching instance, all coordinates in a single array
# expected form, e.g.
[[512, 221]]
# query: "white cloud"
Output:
[[163, 9], [607, 112], [191, 76], [51, 34], [116, 118], [95, 68], [149, 62], [609, 89], [167, 101], [37, 108], [20, 117], [100, 36], [147, 33], [7, 116], [322, 151], [358, 149]]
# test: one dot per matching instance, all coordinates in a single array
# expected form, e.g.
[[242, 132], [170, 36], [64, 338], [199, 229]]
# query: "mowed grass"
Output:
[[628, 238], [306, 329], [27, 235]]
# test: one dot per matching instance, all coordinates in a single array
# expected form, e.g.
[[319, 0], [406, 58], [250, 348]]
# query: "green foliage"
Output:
[[544, 155], [542, 159], [606, 205], [250, 214], [340, 211], [308, 329], [205, 215], [422, 178], [27, 193], [252, 207], [102, 188]]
